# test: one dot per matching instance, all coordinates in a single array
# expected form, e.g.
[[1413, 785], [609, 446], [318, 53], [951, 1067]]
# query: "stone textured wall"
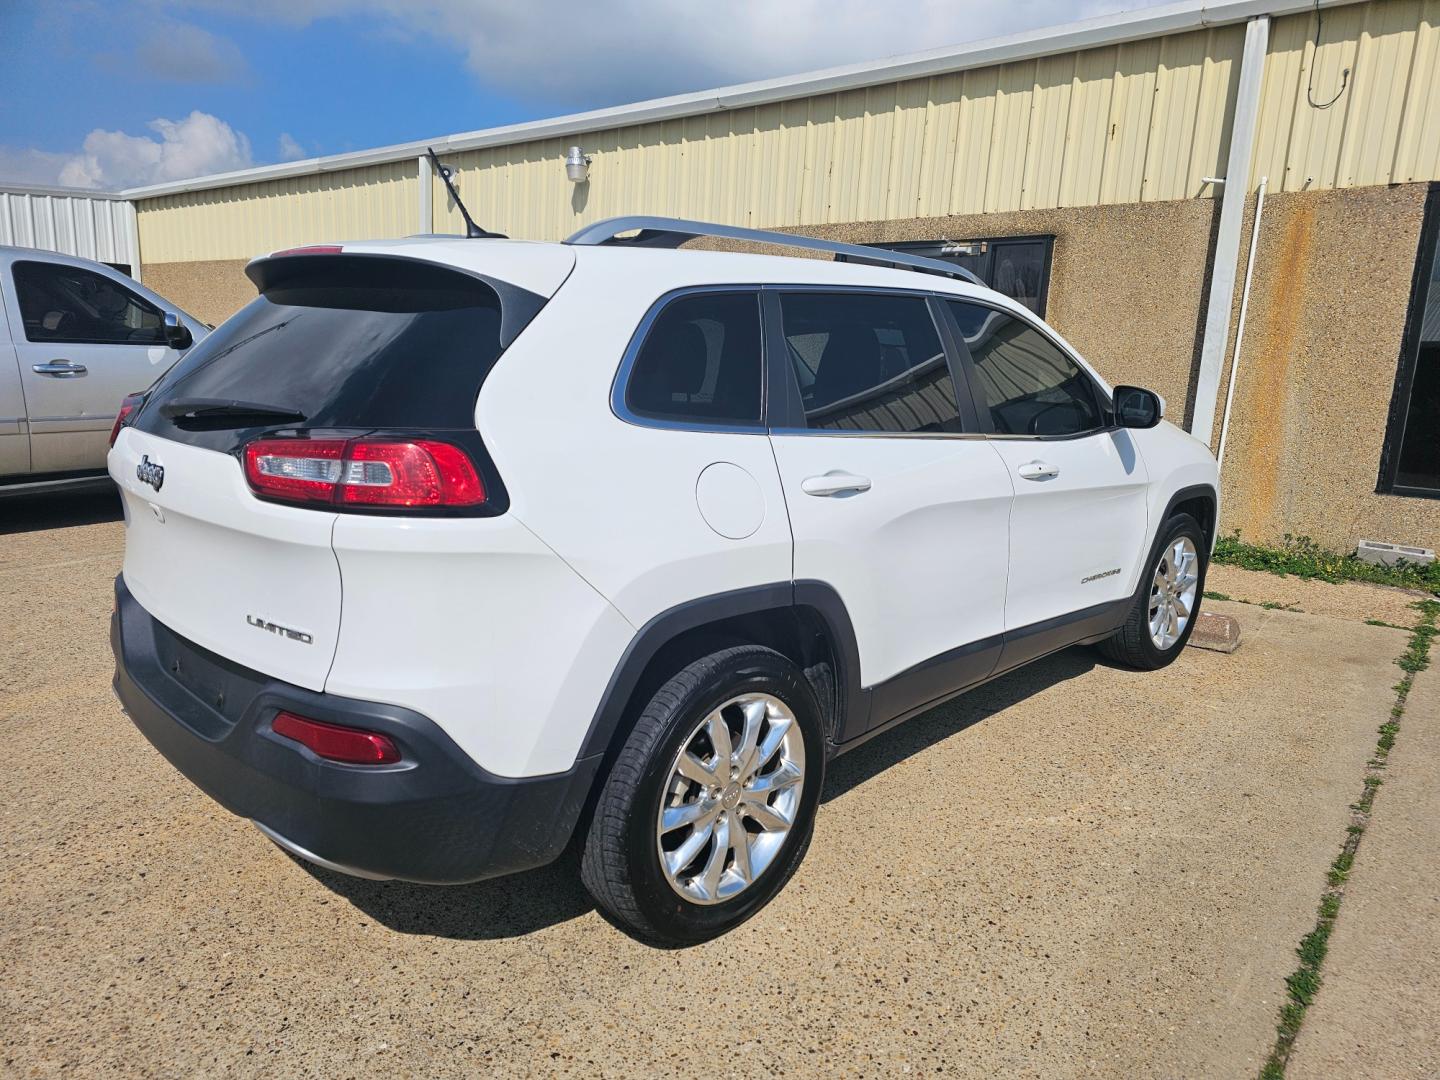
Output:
[[211, 291], [1128, 290]]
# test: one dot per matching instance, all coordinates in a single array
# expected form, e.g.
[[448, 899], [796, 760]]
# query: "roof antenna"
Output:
[[471, 229]]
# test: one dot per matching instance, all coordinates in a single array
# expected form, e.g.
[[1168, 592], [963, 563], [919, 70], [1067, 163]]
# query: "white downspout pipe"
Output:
[[1214, 345], [1240, 328], [427, 189]]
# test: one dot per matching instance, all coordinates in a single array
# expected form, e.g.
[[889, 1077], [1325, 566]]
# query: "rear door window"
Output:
[[700, 362], [869, 362], [72, 305], [1026, 382]]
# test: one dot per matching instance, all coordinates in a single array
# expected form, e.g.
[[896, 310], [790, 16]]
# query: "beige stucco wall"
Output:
[[1332, 283], [212, 290], [1127, 289]]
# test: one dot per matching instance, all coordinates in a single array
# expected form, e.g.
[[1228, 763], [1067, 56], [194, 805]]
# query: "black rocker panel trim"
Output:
[[860, 711]]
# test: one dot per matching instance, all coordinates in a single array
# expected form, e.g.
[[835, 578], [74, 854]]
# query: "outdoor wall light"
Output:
[[577, 165]]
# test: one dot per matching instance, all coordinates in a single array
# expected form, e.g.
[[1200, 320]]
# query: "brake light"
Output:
[[337, 742], [363, 472], [313, 249], [127, 410]]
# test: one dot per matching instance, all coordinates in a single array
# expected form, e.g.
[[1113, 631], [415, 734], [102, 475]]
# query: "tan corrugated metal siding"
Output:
[[1137, 122], [239, 222], [1383, 129], [1129, 123]]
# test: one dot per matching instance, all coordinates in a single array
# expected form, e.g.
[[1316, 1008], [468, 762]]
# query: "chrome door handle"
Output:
[[834, 483], [60, 369], [1038, 470]]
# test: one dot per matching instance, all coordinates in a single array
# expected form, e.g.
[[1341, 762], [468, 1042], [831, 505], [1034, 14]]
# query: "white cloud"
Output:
[[290, 149], [592, 54], [194, 146]]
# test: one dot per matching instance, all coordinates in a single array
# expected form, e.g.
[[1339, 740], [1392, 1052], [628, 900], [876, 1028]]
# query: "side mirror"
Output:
[[177, 334], [1137, 408]]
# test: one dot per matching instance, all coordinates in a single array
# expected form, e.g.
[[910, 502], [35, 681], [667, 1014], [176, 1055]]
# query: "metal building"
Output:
[[1108, 173], [72, 221]]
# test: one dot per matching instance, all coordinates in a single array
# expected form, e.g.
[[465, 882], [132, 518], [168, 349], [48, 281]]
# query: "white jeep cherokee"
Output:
[[443, 552]]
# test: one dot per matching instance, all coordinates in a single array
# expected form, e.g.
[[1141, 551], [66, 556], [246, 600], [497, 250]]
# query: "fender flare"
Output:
[[1186, 494], [852, 704]]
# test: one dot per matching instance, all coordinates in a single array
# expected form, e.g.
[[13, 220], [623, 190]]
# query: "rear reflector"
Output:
[[127, 410], [334, 742], [363, 472]]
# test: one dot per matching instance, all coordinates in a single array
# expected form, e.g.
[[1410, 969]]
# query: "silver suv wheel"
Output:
[[1172, 592], [732, 797]]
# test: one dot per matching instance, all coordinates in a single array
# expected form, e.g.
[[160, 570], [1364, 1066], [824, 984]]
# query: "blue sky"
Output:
[[114, 94]]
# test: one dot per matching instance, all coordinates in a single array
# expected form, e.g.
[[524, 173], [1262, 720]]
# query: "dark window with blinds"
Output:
[[1410, 463]]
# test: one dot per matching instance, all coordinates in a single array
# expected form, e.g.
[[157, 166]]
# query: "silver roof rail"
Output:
[[662, 232]]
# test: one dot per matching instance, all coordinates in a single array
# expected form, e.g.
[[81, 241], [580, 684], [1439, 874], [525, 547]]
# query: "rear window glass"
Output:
[[372, 344]]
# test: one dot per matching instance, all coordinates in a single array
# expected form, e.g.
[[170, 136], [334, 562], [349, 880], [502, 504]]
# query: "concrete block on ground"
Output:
[[1220, 633]]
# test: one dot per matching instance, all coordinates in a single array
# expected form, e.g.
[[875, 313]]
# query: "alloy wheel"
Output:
[[1172, 592], [731, 799]]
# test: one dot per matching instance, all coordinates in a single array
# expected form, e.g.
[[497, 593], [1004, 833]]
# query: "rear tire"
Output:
[[1147, 640], [660, 858]]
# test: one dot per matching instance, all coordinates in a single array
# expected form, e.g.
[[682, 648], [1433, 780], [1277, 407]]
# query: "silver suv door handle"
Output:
[[835, 483], [1038, 470], [60, 369]]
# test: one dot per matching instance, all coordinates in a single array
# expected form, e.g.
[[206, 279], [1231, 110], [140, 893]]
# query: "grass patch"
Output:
[[1305, 981], [1302, 557]]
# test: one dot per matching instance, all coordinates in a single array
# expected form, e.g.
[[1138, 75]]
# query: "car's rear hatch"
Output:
[[353, 344]]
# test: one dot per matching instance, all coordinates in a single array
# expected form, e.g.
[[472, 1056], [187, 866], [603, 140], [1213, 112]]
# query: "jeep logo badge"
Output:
[[150, 472]]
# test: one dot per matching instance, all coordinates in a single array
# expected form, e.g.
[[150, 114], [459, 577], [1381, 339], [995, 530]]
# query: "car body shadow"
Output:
[[919, 733], [530, 901], [504, 907], [36, 513]]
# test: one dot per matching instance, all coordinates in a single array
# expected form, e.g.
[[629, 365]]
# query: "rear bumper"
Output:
[[434, 817]]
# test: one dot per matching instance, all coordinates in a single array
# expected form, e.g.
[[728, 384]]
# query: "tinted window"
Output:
[[1413, 441], [868, 362], [1029, 385], [700, 362], [68, 304], [376, 343]]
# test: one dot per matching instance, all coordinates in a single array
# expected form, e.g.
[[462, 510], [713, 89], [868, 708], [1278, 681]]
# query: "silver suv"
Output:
[[76, 337]]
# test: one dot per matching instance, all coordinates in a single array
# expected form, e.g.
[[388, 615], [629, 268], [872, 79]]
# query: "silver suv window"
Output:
[[70, 304]]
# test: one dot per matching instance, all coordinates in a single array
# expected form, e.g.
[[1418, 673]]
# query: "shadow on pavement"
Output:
[[35, 513], [521, 904], [923, 731], [503, 908]]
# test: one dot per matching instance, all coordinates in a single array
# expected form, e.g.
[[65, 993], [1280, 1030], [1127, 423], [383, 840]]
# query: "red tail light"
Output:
[[127, 410], [335, 742], [363, 472], [313, 249]]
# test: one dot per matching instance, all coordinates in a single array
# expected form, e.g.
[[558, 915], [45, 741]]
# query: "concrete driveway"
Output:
[[1073, 871]]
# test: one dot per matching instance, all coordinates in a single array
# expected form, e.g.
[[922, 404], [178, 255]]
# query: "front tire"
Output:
[[710, 805], [1167, 603]]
